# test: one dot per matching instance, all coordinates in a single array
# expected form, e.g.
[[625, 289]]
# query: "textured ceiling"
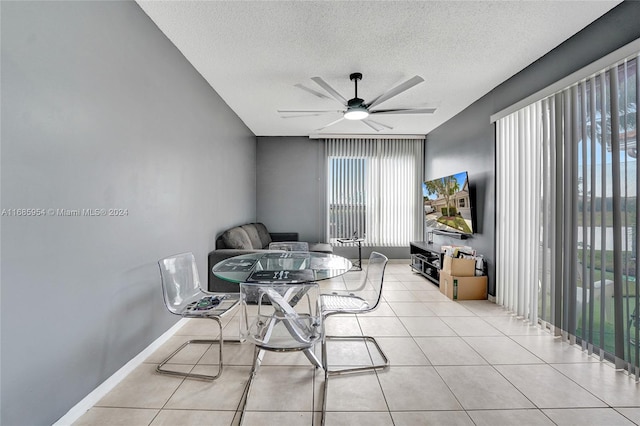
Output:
[[253, 53]]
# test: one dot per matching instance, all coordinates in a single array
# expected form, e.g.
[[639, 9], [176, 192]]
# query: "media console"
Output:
[[426, 259]]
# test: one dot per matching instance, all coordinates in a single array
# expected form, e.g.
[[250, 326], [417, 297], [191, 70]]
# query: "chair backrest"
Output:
[[370, 288], [287, 316], [180, 281], [289, 245]]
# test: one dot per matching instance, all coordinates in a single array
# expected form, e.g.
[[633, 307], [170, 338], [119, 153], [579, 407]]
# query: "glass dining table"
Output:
[[283, 288], [283, 278], [280, 267]]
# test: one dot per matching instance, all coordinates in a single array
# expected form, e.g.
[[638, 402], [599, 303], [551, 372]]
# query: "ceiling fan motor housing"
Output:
[[355, 102]]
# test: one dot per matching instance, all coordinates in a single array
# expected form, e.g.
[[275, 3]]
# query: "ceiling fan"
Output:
[[356, 108]]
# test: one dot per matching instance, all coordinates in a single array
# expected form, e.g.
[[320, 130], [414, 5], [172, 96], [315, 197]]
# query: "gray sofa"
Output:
[[244, 239]]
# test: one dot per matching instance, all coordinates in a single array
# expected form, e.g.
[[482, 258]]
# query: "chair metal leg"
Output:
[[257, 361], [324, 388], [383, 365], [220, 341], [312, 357], [328, 372]]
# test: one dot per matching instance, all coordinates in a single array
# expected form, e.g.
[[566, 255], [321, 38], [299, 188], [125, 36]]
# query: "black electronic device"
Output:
[[448, 205], [206, 303]]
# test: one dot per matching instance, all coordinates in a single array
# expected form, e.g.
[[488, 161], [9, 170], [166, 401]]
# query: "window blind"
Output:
[[567, 213], [373, 190]]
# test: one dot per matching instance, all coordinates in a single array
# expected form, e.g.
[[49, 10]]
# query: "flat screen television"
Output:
[[447, 205]]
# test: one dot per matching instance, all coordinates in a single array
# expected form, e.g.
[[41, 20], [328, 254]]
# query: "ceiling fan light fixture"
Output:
[[356, 113]]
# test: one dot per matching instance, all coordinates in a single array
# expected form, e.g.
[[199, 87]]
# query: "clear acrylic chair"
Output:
[[279, 318], [183, 296], [289, 245], [360, 298]]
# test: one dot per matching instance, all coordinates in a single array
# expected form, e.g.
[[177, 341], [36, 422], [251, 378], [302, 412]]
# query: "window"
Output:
[[346, 195], [374, 190]]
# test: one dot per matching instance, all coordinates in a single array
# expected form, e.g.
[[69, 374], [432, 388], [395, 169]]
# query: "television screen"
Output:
[[447, 205]]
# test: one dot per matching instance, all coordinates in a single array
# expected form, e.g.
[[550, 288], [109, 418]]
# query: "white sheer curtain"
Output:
[[567, 213], [518, 139], [374, 190]]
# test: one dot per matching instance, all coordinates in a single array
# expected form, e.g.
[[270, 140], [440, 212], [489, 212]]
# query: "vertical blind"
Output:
[[518, 177], [567, 213], [373, 190]]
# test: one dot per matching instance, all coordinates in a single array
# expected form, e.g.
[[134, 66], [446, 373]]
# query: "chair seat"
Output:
[[211, 305], [337, 302]]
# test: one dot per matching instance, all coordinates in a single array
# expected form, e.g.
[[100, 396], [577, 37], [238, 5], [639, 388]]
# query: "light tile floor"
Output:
[[452, 363]]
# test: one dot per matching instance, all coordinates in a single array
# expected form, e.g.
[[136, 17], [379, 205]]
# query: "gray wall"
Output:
[[468, 140], [290, 191], [288, 196], [99, 110], [466, 143]]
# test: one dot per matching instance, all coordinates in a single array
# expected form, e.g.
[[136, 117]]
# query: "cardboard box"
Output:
[[459, 267], [463, 288]]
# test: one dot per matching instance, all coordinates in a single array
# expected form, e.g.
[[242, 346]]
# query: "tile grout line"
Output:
[[480, 313]]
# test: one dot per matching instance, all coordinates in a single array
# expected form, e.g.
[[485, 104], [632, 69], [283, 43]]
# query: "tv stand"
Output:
[[426, 259]]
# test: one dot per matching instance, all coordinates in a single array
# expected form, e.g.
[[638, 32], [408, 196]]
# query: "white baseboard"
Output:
[[91, 399]]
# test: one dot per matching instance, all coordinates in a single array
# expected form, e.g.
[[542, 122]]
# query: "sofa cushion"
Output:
[[237, 238], [321, 247], [265, 237], [252, 232]]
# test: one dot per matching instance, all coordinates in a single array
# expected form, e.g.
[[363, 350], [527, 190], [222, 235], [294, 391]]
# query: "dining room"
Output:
[[117, 152]]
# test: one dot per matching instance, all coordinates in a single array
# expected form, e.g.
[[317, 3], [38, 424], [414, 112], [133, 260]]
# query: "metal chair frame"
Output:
[[281, 309], [220, 342], [204, 315], [374, 366]]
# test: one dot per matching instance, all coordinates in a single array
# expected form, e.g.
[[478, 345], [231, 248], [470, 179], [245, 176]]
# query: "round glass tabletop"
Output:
[[281, 267]]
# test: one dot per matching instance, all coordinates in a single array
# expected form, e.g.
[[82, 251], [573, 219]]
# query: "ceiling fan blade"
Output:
[[308, 111], [368, 122], [330, 124], [302, 115], [396, 90], [313, 92], [405, 111], [373, 125], [337, 96]]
